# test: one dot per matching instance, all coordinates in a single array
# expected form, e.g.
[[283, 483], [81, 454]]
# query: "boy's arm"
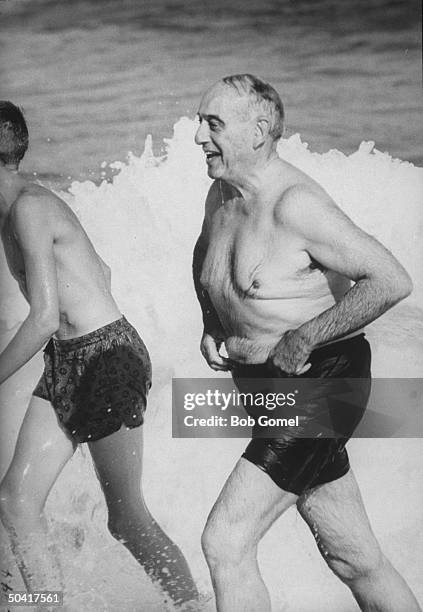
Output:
[[35, 238]]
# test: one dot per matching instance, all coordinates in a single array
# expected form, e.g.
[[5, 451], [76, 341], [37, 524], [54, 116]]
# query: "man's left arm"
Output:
[[36, 243], [332, 239]]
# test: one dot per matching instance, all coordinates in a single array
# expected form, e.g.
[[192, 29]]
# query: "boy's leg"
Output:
[[118, 464], [42, 450]]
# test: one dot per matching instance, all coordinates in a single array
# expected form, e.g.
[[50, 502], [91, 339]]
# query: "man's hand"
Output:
[[290, 354], [209, 346]]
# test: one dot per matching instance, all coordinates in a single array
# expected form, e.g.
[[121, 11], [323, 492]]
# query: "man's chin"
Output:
[[214, 173]]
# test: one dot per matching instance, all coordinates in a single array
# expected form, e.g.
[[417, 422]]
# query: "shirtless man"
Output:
[[94, 387], [282, 275]]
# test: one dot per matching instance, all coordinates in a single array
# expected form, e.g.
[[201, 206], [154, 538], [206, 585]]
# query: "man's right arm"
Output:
[[213, 333], [211, 320]]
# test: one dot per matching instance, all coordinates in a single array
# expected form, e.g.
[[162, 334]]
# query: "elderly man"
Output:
[[287, 282]]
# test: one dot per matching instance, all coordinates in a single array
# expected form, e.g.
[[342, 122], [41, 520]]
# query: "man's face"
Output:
[[226, 132]]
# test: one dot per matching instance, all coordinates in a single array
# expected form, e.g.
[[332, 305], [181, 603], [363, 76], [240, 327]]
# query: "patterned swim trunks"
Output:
[[97, 382]]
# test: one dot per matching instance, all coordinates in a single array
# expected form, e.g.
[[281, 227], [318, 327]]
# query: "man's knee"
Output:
[[225, 545], [354, 565]]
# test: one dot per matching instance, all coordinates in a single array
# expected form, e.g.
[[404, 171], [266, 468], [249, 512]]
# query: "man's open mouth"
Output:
[[211, 154]]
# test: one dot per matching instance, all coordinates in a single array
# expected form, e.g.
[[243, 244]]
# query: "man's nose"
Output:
[[202, 133]]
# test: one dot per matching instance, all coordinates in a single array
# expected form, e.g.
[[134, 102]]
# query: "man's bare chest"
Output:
[[251, 254]]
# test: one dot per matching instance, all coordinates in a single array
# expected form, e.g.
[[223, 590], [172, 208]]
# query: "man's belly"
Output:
[[253, 326]]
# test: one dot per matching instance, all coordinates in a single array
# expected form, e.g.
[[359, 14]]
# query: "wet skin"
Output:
[[276, 254], [280, 270], [81, 284], [67, 286], [260, 279], [64, 280]]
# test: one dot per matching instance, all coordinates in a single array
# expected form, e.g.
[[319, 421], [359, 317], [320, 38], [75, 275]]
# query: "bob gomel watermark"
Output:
[[297, 407]]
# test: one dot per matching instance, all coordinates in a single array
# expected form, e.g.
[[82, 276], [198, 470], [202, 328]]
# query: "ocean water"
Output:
[[94, 79]]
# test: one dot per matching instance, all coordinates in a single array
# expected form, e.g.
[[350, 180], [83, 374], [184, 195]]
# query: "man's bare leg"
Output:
[[42, 450], [247, 506], [336, 516], [118, 463]]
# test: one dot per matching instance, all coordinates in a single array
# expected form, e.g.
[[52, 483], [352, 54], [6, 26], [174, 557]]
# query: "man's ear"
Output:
[[261, 132]]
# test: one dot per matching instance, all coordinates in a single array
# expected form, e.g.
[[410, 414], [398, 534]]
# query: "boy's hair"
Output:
[[13, 133]]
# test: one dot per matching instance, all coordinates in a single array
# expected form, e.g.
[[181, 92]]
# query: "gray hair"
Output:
[[263, 96]]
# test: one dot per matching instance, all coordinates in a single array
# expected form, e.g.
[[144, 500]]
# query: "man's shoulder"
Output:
[[302, 201]]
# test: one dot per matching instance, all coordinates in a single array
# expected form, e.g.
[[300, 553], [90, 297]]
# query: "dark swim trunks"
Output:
[[297, 462], [97, 382]]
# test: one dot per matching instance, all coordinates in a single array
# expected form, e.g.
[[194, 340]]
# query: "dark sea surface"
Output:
[[94, 77]]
